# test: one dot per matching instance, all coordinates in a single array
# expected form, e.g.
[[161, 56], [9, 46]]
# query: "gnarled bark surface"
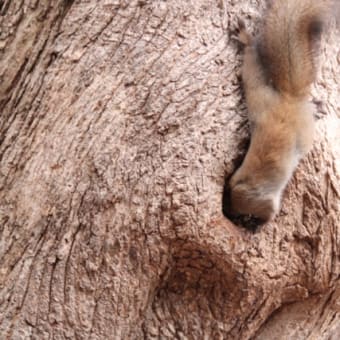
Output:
[[119, 122]]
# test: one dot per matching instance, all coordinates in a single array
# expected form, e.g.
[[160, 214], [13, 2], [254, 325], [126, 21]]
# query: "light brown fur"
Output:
[[277, 72]]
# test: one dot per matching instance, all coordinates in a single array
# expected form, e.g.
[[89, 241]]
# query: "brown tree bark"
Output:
[[119, 122]]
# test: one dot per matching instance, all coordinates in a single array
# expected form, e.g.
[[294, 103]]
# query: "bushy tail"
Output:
[[289, 41]]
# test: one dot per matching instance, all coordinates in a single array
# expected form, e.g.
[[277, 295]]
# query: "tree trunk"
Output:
[[119, 122]]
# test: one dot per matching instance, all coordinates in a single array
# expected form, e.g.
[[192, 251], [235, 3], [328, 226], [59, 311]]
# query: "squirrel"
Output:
[[278, 69]]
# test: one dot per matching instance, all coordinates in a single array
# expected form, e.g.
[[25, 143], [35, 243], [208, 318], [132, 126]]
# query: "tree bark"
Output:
[[119, 122]]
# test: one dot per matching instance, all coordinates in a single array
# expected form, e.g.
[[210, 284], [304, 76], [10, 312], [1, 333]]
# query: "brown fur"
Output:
[[277, 72]]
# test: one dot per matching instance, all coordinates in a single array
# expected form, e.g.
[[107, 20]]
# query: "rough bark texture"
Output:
[[119, 123]]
